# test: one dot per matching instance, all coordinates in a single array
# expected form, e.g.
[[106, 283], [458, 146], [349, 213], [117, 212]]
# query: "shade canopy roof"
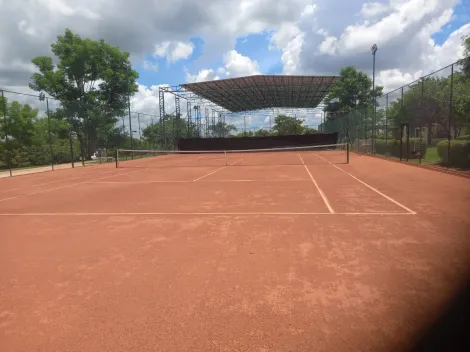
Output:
[[264, 91]]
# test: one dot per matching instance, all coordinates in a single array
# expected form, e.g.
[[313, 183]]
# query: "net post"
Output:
[[116, 155], [347, 153]]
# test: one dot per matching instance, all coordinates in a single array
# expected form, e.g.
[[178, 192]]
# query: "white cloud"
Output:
[[281, 38], [174, 51], [235, 65], [312, 37], [291, 53], [150, 66], [373, 9], [202, 76]]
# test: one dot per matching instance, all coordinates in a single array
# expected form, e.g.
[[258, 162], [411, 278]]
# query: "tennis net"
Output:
[[310, 155]]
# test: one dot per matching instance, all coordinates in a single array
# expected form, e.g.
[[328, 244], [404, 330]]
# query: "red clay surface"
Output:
[[214, 258]]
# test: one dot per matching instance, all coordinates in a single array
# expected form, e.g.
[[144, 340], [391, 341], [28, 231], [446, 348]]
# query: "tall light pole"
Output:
[[374, 50]]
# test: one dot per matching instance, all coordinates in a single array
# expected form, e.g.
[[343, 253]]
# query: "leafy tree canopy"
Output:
[[287, 125], [91, 80], [353, 90], [466, 53]]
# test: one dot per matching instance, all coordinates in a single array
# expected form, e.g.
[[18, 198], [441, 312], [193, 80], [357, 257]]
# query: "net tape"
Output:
[[340, 146]]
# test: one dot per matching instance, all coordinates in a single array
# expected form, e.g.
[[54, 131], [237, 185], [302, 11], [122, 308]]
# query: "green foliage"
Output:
[[221, 129], [287, 125], [426, 104], [434, 141], [392, 148], [258, 133], [353, 90], [459, 153], [309, 130], [91, 80], [30, 138], [165, 134], [20, 121], [466, 61]]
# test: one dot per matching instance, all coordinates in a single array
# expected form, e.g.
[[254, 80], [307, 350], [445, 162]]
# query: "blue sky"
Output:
[[461, 17], [255, 46], [258, 48], [196, 40]]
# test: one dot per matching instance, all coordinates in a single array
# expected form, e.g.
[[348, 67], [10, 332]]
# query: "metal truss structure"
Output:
[[210, 104]]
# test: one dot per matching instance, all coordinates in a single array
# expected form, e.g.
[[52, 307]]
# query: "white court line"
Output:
[[66, 186], [372, 188], [213, 172], [56, 181], [198, 214], [207, 181], [325, 200]]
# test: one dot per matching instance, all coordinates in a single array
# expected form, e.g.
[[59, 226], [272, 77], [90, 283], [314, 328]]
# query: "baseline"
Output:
[[201, 214]]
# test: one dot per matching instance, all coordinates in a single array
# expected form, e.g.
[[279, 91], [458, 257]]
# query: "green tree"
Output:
[[465, 63], [287, 125], [262, 133], [91, 81], [166, 133], [245, 134], [221, 129], [20, 121], [461, 103], [309, 130], [352, 91]]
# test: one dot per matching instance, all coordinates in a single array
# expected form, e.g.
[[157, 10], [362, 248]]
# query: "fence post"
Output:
[[49, 130], [7, 144], [71, 148], [449, 136], [421, 121], [401, 126], [386, 119]]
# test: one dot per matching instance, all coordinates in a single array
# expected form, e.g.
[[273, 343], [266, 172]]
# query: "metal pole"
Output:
[[450, 111], [129, 108], [374, 111], [386, 120], [140, 131], [374, 50], [71, 148], [421, 121], [7, 151], [50, 137]]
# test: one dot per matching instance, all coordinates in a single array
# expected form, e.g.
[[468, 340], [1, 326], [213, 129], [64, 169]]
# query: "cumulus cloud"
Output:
[[312, 37], [174, 51], [373, 9], [235, 65]]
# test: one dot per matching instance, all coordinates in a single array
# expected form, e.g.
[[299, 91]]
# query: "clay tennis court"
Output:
[[279, 252]]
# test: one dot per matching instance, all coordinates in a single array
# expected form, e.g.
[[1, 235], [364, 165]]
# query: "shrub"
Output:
[[459, 153], [463, 138], [392, 147], [434, 141]]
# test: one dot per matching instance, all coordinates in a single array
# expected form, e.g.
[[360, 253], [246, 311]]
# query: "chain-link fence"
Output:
[[426, 121], [39, 133]]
